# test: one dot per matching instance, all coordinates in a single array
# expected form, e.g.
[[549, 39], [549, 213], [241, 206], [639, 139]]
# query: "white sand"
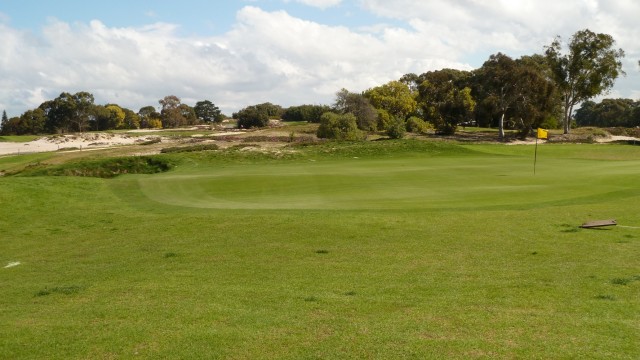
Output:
[[83, 141], [616, 138]]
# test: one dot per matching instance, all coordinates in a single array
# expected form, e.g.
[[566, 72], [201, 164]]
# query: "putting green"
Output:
[[465, 182]]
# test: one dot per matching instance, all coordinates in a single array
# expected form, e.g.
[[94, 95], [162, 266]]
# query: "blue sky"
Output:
[[289, 52], [195, 17]]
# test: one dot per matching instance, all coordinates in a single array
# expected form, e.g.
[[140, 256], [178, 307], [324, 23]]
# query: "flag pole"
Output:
[[540, 134], [535, 156]]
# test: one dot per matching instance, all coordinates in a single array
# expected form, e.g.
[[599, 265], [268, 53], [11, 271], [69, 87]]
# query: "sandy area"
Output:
[[616, 138], [607, 139], [88, 141], [85, 141]]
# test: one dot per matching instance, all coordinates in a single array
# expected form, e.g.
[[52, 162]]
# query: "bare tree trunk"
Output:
[[566, 122], [501, 126]]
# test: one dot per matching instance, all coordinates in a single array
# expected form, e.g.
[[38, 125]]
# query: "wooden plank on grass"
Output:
[[599, 223]]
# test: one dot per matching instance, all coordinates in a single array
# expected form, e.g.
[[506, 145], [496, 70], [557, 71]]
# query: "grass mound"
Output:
[[192, 148], [385, 148], [103, 168]]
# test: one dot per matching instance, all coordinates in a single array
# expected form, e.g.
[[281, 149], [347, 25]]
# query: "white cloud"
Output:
[[518, 27], [273, 56], [322, 4]]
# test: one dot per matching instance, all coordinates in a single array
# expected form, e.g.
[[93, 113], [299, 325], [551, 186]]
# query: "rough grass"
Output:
[[18, 138], [390, 250], [190, 148], [103, 168]]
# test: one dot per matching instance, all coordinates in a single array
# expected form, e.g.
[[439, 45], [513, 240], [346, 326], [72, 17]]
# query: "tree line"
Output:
[[539, 90], [609, 113], [78, 113]]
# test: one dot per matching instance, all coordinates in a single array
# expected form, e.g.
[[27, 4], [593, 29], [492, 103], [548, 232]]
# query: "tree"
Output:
[[258, 115], [252, 116], [412, 81], [131, 119], [208, 112], [516, 89], [59, 112], [116, 117], [589, 69], [188, 114], [395, 97], [5, 119], [83, 104], [609, 113], [149, 117], [358, 105], [68, 112], [444, 99], [11, 126], [501, 85], [100, 118], [274, 111], [172, 114], [339, 127], [306, 113], [32, 122]]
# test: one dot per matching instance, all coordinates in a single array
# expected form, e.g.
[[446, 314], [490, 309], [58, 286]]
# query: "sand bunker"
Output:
[[84, 141]]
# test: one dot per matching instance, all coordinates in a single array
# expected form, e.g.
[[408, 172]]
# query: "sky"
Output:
[[238, 53]]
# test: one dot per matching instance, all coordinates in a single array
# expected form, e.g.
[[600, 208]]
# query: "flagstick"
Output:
[[535, 157]]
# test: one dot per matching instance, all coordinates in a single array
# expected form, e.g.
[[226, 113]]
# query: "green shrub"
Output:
[[103, 168], [397, 129], [339, 127], [550, 123], [417, 126]]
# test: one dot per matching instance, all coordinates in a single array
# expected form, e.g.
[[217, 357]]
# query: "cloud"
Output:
[[267, 56], [322, 4], [273, 56]]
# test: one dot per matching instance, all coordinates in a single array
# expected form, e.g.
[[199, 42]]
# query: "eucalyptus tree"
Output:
[[445, 99], [517, 89], [172, 114], [588, 69], [498, 82]]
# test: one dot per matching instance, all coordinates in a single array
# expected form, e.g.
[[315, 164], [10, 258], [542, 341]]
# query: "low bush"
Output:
[[339, 127], [417, 126], [151, 141], [199, 147], [397, 129]]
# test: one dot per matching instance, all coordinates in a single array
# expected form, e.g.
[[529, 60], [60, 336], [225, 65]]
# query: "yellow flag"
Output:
[[542, 134]]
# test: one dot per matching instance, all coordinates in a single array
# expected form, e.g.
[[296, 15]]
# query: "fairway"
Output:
[[388, 251]]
